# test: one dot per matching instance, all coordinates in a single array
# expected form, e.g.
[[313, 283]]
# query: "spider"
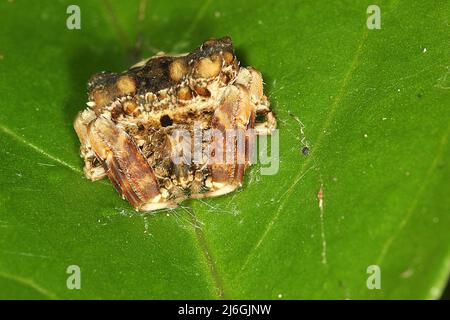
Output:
[[128, 131]]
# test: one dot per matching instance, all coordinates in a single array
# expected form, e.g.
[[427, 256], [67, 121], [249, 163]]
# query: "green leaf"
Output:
[[375, 109]]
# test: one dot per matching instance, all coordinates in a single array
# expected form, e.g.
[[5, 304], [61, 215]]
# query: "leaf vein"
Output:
[[29, 283], [337, 101], [204, 249], [37, 149], [387, 245]]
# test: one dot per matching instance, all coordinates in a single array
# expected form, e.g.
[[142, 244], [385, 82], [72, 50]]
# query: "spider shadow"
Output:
[[83, 63]]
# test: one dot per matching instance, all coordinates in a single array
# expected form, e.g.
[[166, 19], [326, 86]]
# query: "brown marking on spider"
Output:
[[126, 131]]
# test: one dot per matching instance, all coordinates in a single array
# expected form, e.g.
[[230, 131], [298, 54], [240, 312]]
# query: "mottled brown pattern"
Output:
[[126, 133]]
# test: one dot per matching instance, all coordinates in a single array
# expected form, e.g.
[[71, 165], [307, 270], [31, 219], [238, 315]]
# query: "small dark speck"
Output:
[[166, 121], [420, 95], [305, 151]]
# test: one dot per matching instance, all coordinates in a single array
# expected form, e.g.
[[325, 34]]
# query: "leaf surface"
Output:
[[374, 105]]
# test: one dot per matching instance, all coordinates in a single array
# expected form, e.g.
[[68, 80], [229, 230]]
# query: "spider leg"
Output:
[[229, 152], [93, 169], [125, 165], [265, 121]]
